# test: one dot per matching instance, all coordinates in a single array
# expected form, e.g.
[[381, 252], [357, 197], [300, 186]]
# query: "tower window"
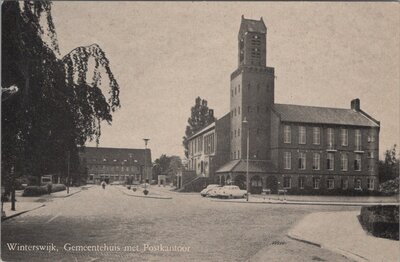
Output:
[[239, 110]]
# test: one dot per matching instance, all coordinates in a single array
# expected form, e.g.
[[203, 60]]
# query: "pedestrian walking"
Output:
[[103, 184]]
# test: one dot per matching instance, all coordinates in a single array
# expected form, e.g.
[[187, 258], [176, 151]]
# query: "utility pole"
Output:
[[145, 160], [68, 177], [245, 122], [12, 188]]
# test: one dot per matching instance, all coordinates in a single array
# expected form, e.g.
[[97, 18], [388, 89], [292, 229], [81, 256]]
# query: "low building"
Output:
[[124, 165]]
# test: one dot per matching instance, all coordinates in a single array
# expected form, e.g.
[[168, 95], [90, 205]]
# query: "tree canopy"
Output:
[[201, 116], [50, 104], [389, 168]]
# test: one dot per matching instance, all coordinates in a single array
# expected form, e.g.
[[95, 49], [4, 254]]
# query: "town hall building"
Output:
[[303, 149]]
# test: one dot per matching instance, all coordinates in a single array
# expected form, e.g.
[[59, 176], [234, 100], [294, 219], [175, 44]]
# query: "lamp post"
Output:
[[146, 140], [246, 123]]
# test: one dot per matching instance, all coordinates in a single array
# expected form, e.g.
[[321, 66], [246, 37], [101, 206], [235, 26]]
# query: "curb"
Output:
[[20, 213], [345, 253], [308, 203], [67, 195], [154, 197]]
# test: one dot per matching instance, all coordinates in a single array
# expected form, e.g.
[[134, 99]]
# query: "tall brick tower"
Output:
[[252, 93]]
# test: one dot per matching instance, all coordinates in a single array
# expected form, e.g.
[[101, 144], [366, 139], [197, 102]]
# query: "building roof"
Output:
[[323, 115], [255, 166], [209, 127], [256, 26], [114, 156]]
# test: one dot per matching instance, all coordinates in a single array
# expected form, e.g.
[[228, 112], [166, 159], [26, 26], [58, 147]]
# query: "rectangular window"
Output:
[[238, 131], [316, 182], [316, 161], [239, 110], [370, 182], [239, 154], [287, 136], [302, 135], [371, 154], [357, 162], [301, 182], [287, 160], [330, 183], [316, 136], [371, 138], [344, 162], [330, 138], [344, 135], [330, 161], [357, 183], [234, 155], [287, 182], [302, 161], [345, 183], [358, 140]]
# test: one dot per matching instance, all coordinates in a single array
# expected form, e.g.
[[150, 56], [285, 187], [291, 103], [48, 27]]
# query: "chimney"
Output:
[[211, 113], [355, 104]]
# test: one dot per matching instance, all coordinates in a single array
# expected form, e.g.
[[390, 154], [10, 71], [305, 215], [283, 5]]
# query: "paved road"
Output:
[[195, 228]]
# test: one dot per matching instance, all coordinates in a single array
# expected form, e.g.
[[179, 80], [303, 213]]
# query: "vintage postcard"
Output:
[[200, 131]]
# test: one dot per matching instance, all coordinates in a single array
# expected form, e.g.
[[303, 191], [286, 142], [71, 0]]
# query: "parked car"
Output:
[[204, 192], [231, 192], [214, 191]]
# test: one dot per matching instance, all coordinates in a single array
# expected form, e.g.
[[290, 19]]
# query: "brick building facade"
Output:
[[124, 165], [298, 148]]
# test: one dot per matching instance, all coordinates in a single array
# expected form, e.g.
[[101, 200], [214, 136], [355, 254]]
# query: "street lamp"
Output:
[[246, 123], [146, 140]]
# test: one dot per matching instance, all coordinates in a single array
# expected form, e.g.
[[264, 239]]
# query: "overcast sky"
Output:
[[164, 55]]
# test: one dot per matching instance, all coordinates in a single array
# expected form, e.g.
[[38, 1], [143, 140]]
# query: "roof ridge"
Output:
[[349, 109]]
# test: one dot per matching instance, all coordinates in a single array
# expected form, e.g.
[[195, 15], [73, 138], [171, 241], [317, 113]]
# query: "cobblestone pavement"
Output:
[[195, 228]]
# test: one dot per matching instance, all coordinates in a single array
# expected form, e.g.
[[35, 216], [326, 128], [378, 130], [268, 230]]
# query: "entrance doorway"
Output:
[[272, 184]]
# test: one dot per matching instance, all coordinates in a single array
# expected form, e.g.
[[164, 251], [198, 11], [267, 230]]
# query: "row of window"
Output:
[[330, 136], [105, 159], [209, 143], [316, 163], [113, 168], [257, 109], [196, 145], [236, 89], [330, 183]]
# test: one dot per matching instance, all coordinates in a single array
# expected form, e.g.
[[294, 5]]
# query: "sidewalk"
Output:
[[26, 204], [282, 201], [342, 233]]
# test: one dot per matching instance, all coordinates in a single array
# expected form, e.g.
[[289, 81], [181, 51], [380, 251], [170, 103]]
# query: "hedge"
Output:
[[381, 221], [42, 190]]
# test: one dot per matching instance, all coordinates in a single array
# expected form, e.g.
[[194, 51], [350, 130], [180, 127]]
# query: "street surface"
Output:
[[184, 228]]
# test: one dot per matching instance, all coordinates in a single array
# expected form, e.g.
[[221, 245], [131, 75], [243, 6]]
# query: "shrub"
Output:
[[381, 221], [390, 187], [58, 187], [145, 192], [42, 190], [34, 191]]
